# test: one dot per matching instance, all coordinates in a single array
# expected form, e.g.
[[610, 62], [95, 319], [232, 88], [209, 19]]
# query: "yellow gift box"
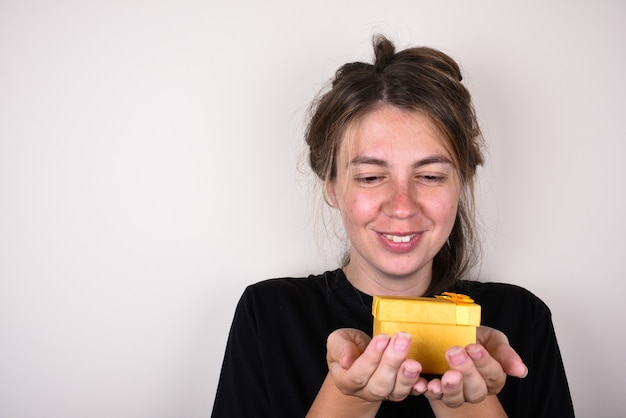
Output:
[[435, 324]]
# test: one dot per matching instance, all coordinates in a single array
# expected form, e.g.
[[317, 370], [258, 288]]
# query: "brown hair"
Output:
[[417, 79]]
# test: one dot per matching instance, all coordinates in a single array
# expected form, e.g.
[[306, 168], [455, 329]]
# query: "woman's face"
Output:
[[397, 189]]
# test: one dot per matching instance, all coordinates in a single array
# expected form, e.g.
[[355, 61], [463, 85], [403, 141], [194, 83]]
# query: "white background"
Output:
[[151, 166]]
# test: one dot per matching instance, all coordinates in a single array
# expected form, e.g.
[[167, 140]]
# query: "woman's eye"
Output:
[[368, 179], [432, 178]]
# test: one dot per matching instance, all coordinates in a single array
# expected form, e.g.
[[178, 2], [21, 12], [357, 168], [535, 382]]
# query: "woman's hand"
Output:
[[373, 369], [377, 369], [477, 370]]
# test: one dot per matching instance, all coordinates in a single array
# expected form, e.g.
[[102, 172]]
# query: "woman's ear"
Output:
[[330, 195]]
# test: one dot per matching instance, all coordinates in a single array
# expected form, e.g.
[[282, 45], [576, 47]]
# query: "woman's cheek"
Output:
[[361, 205]]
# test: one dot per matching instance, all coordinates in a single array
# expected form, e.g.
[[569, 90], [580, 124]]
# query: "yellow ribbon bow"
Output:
[[456, 297]]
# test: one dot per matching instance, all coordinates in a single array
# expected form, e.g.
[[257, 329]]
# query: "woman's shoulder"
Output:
[[484, 288], [498, 298], [296, 288], [326, 299]]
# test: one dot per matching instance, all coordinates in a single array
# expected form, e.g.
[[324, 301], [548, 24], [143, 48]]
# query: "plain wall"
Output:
[[151, 167]]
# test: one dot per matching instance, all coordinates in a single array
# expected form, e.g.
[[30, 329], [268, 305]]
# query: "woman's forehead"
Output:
[[387, 129]]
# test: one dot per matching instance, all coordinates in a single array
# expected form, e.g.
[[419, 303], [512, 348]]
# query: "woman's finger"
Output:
[[406, 379], [352, 374], [472, 384], [488, 367], [452, 386], [434, 390], [497, 344], [345, 345], [382, 383]]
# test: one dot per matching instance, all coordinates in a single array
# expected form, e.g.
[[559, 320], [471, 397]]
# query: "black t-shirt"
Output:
[[275, 360]]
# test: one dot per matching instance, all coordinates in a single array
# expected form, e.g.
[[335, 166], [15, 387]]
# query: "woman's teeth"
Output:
[[397, 238]]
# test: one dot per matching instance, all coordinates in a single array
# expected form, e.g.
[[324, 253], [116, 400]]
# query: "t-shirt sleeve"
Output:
[[550, 390], [241, 390], [527, 322]]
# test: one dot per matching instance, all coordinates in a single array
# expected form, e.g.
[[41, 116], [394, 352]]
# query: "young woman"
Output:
[[396, 145]]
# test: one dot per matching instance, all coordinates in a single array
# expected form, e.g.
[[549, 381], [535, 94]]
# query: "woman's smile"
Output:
[[399, 238], [400, 243]]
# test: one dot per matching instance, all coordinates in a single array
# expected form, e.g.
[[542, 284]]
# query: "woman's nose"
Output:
[[401, 202]]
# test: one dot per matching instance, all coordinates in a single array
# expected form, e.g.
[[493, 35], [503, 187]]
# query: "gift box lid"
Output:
[[447, 308]]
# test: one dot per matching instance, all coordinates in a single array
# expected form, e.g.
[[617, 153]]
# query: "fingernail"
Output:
[[456, 356], [382, 340], [475, 353], [410, 372], [421, 386], [402, 342], [437, 392], [454, 384], [525, 372]]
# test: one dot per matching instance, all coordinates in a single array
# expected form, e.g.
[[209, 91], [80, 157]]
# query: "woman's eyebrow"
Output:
[[434, 159], [362, 160]]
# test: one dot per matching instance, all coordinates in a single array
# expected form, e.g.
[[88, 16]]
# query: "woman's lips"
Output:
[[400, 243]]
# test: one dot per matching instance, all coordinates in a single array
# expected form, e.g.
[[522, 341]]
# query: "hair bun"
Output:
[[384, 52]]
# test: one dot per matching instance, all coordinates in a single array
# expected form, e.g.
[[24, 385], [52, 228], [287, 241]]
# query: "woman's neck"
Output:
[[375, 283]]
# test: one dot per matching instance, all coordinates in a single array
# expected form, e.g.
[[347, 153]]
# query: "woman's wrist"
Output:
[[331, 403], [490, 407]]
